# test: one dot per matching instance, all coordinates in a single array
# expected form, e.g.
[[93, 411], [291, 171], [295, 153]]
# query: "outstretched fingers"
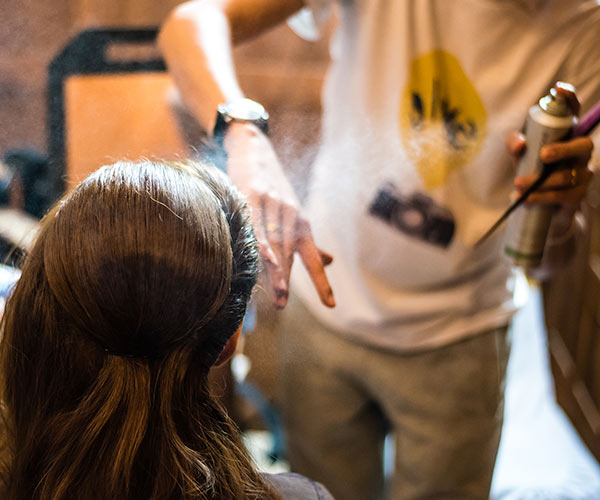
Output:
[[314, 260]]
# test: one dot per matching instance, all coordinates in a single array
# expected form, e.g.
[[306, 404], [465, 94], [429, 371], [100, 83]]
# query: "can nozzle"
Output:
[[561, 101]]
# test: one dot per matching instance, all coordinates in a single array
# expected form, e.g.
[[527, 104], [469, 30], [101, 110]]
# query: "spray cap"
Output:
[[561, 100]]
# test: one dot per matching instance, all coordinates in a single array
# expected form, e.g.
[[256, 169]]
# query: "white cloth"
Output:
[[417, 103], [540, 456]]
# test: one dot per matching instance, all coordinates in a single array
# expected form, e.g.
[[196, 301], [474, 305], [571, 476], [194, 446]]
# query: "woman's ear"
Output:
[[229, 348]]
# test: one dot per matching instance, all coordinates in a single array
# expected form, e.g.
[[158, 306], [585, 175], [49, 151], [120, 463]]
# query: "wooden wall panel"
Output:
[[87, 13], [572, 308], [32, 32]]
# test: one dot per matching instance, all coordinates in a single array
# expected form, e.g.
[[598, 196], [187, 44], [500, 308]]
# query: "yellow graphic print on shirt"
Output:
[[442, 119]]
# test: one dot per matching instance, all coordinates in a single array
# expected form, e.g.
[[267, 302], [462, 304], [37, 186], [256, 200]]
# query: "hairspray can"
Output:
[[550, 120]]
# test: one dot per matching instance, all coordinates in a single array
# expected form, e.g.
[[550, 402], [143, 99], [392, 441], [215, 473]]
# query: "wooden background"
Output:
[[280, 69]]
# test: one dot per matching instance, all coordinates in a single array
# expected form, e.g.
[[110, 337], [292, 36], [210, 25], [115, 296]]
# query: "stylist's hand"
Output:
[[280, 227], [568, 185]]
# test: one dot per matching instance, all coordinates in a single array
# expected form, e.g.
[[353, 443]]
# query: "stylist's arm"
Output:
[[196, 41]]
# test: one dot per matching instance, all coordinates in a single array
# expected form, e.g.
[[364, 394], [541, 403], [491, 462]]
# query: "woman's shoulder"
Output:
[[293, 486]]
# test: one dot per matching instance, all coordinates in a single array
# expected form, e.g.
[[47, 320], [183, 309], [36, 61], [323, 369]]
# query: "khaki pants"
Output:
[[443, 407]]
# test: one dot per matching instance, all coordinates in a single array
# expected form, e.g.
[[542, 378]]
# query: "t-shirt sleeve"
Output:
[[309, 22]]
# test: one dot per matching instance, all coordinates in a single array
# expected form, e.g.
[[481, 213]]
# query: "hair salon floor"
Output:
[[541, 456]]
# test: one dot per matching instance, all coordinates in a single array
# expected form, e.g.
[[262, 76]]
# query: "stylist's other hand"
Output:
[[280, 227], [568, 185]]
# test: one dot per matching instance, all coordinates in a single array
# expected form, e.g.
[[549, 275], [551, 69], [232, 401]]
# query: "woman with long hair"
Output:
[[137, 285]]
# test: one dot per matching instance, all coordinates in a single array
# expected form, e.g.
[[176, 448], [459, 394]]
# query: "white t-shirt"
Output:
[[413, 167]]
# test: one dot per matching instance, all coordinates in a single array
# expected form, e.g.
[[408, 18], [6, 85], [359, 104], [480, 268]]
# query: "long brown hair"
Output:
[[137, 280]]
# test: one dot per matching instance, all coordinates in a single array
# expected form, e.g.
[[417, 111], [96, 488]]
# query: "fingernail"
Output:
[[280, 303], [326, 259], [281, 290], [281, 298], [330, 299]]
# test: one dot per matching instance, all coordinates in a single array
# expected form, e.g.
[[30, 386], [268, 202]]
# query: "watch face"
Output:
[[245, 109]]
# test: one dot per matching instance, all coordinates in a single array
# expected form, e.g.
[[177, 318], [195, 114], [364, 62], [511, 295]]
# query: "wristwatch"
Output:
[[240, 110]]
